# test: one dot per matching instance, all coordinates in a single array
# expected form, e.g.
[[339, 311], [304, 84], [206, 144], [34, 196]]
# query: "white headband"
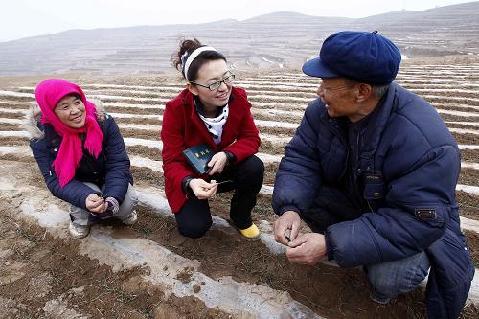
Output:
[[193, 56]]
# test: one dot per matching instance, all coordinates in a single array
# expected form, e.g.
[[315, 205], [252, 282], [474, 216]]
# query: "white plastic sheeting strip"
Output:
[[463, 123], [165, 266], [147, 127], [13, 111], [470, 165], [11, 121], [474, 190], [130, 141], [139, 161], [15, 134], [458, 113], [135, 116], [468, 147], [463, 131], [16, 94]]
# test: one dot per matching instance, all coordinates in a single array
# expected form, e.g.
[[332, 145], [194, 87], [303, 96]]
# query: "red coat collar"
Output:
[[233, 117]]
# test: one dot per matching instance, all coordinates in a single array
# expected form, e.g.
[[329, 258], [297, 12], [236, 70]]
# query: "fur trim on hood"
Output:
[[34, 114]]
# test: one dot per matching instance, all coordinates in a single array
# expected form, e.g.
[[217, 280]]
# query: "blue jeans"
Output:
[[390, 279]]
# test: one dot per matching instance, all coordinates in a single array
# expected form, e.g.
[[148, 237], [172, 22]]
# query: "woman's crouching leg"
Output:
[[194, 219], [127, 209], [248, 183]]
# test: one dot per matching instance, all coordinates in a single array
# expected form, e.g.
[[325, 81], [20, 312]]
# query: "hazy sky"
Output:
[[20, 18]]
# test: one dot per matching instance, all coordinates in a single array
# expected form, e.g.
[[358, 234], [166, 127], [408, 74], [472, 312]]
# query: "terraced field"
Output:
[[221, 275]]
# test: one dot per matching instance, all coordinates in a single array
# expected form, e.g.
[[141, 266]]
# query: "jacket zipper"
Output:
[[332, 126]]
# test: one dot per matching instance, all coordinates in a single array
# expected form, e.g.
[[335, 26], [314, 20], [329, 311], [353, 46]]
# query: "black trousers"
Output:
[[194, 219]]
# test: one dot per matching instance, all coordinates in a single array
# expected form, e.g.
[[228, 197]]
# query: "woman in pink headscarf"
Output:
[[81, 154]]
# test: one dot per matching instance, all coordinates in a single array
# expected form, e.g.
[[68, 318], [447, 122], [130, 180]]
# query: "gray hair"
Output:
[[380, 90]]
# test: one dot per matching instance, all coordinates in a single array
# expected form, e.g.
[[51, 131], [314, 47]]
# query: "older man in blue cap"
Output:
[[372, 169]]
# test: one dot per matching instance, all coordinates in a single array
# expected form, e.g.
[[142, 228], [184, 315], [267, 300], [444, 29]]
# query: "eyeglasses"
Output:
[[215, 85]]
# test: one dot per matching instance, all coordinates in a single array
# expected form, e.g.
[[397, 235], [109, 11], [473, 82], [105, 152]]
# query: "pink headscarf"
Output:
[[48, 93]]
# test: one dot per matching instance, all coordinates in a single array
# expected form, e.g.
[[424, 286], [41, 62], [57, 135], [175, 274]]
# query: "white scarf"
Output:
[[215, 125]]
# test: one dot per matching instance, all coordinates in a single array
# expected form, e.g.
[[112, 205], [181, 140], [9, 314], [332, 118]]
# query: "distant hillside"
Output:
[[450, 29], [275, 40]]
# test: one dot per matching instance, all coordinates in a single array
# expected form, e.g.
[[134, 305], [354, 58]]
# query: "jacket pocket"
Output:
[[373, 186]]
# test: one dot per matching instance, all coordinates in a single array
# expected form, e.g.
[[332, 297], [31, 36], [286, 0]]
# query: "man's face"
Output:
[[340, 97]]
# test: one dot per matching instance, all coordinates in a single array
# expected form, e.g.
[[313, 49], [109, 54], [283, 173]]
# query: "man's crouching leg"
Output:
[[389, 279]]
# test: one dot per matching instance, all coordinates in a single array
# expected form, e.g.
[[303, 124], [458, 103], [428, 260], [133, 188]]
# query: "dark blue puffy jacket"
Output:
[[111, 171], [412, 163]]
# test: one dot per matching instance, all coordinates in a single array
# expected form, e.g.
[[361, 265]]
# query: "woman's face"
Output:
[[71, 111], [209, 73]]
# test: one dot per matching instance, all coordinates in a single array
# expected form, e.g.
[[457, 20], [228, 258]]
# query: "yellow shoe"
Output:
[[252, 232]]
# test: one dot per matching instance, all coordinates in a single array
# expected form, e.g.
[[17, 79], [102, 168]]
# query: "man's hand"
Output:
[[203, 189], [307, 249], [218, 163], [286, 227], [95, 204]]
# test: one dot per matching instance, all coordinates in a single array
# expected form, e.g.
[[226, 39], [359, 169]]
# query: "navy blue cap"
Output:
[[362, 56]]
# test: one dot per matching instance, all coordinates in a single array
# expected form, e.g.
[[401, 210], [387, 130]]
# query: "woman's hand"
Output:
[[217, 163], [203, 189], [95, 204]]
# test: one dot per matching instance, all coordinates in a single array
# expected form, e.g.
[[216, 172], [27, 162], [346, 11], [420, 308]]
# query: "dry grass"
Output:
[[15, 105], [19, 115], [455, 118], [143, 121], [468, 204], [146, 176], [133, 110], [470, 155], [466, 138], [151, 153], [14, 141], [138, 133], [10, 127]]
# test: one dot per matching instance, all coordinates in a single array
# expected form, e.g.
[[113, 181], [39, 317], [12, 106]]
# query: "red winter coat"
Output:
[[182, 128]]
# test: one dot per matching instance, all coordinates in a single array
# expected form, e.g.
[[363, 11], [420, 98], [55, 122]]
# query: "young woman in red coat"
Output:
[[210, 111]]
